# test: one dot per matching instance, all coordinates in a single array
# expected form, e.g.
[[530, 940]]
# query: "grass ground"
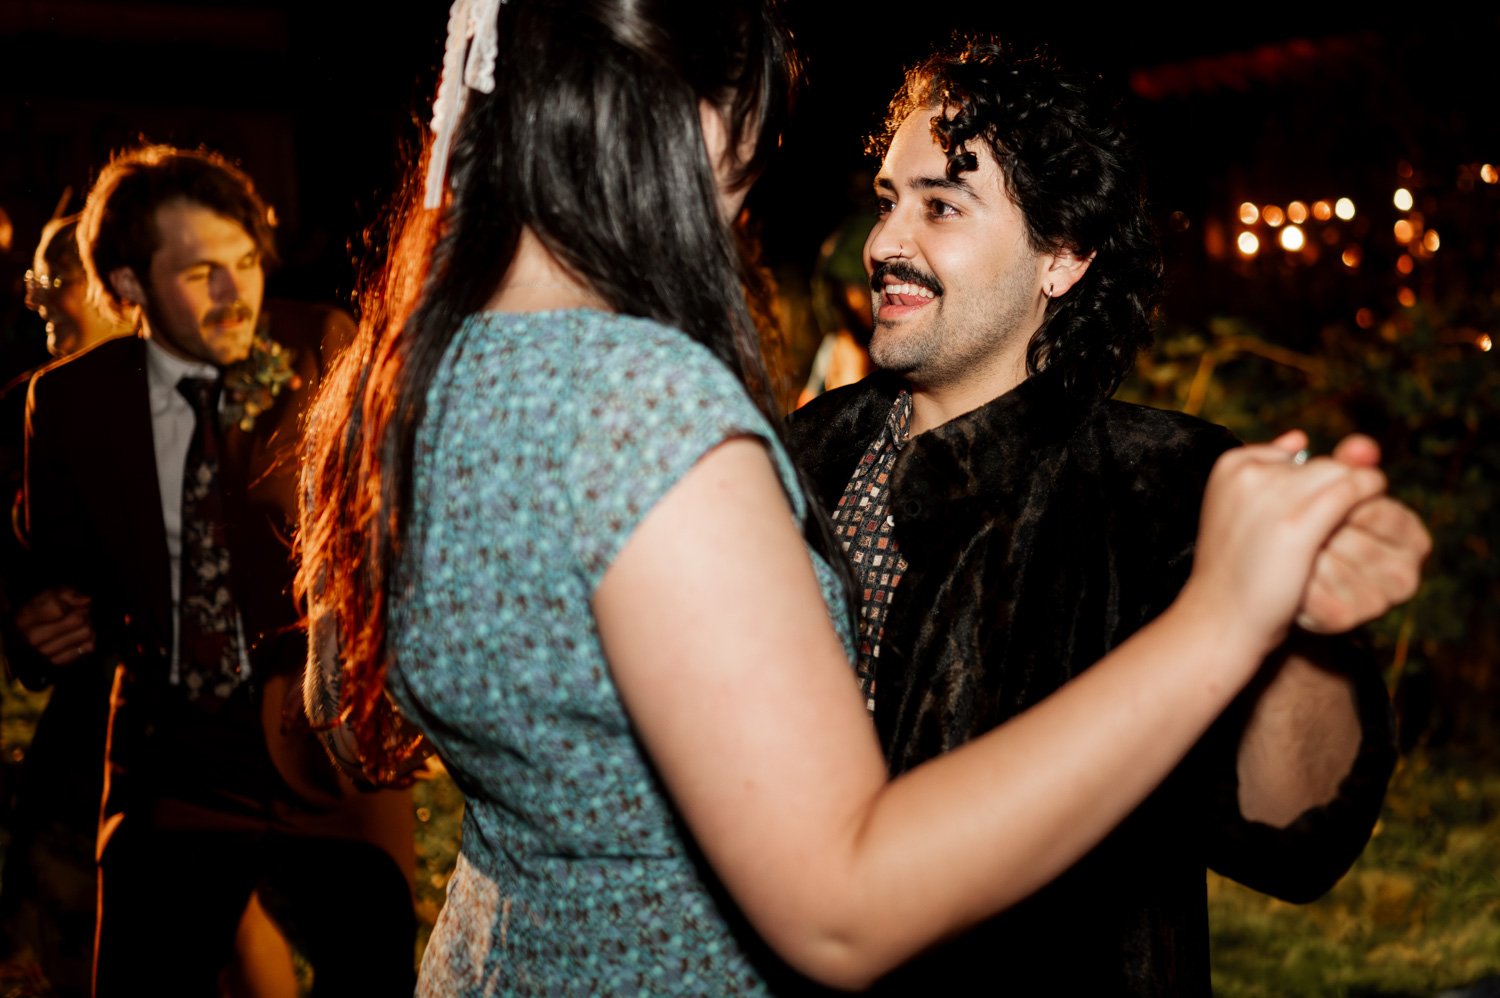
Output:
[[1419, 913]]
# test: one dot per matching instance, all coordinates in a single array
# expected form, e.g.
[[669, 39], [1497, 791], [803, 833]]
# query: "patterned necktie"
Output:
[[208, 643]]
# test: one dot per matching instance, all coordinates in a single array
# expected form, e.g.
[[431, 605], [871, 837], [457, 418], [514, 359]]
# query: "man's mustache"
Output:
[[234, 312], [904, 273]]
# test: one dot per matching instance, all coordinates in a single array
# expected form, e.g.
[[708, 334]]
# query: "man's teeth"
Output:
[[910, 290]]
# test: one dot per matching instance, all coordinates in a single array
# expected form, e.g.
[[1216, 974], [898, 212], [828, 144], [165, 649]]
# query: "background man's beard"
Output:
[[163, 332]]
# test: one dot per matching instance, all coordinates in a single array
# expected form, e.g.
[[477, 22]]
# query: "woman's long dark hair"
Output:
[[592, 140]]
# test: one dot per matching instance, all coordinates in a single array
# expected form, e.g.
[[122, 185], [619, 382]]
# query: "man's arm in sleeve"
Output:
[[50, 626], [1302, 766], [1316, 749]]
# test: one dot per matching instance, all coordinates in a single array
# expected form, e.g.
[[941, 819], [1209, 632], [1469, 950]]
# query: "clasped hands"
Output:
[[1319, 542]]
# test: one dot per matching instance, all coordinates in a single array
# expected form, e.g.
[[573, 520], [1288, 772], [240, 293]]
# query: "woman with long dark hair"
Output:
[[549, 517]]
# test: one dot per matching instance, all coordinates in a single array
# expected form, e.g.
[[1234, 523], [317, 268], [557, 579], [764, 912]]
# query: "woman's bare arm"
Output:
[[728, 665]]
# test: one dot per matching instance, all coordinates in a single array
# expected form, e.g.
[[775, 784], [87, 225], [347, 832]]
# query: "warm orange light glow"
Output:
[[1249, 214], [1489, 174], [1431, 242], [1403, 170], [1272, 215], [1322, 210], [1404, 232], [1364, 318], [1484, 342], [1407, 297], [1402, 199], [1296, 213], [1292, 239], [1404, 263], [1352, 256], [1248, 244], [1344, 208]]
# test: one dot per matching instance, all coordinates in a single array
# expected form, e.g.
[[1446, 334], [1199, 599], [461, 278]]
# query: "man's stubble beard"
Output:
[[957, 342]]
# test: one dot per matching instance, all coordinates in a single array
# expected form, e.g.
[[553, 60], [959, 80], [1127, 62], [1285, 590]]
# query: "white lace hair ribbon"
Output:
[[468, 64]]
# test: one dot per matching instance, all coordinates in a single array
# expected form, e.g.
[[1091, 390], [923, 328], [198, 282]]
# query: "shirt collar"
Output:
[[165, 369], [898, 420]]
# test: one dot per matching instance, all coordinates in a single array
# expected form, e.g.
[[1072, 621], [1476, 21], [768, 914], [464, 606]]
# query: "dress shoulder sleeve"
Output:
[[652, 402]]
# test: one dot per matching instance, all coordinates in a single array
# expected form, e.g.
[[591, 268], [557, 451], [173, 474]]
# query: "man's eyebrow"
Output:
[[884, 183]]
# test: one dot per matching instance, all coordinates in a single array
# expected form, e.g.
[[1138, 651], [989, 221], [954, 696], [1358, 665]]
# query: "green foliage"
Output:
[[440, 810], [1423, 386]]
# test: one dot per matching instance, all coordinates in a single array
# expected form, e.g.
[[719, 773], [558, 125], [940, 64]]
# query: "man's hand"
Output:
[[1371, 563], [55, 622]]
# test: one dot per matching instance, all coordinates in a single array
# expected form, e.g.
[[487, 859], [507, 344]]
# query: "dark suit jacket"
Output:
[[1040, 532], [94, 522]]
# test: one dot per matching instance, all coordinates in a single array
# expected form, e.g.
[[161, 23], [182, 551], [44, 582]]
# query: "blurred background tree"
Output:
[[1424, 382]]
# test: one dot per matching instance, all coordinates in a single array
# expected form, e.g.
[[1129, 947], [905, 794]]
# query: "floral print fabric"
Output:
[[547, 438]]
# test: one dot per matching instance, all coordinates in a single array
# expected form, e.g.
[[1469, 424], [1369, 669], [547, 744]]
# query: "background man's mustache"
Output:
[[234, 312]]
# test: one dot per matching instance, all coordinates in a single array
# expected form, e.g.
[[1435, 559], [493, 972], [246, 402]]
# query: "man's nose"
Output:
[[223, 286], [889, 240]]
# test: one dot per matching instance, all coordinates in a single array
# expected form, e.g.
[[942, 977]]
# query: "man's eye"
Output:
[[196, 275], [883, 207], [941, 209], [249, 261]]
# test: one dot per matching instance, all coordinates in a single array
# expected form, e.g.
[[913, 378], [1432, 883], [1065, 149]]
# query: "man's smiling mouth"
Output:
[[902, 288], [908, 294]]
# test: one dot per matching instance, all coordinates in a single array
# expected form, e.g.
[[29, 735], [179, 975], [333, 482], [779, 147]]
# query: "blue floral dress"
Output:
[[547, 438]]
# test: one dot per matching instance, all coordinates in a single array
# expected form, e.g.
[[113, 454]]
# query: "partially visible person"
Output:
[[159, 501], [57, 290], [841, 310], [548, 515], [48, 889]]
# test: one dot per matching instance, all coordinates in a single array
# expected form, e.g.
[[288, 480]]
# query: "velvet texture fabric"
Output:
[[1041, 531]]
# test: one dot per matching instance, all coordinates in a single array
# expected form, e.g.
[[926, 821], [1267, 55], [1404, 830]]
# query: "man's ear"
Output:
[[127, 286], [1061, 270]]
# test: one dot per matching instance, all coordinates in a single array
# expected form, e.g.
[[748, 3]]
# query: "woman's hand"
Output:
[[1267, 523]]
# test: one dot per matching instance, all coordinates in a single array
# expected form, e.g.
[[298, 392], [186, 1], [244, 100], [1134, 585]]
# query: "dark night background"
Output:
[[320, 102], [316, 99]]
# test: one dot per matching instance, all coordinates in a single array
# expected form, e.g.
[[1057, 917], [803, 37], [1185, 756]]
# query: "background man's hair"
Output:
[[57, 248], [118, 225], [1070, 170]]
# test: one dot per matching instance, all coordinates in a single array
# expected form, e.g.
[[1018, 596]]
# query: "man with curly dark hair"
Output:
[[1009, 524]]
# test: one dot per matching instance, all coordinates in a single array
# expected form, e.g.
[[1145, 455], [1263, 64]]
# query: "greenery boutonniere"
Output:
[[251, 386]]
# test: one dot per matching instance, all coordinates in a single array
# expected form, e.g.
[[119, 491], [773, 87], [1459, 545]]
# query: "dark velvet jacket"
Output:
[[1040, 532]]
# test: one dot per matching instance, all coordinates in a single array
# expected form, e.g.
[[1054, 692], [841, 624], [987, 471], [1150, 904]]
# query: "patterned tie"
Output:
[[208, 645]]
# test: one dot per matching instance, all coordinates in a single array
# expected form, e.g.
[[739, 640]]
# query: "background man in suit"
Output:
[[1010, 524], [160, 494]]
